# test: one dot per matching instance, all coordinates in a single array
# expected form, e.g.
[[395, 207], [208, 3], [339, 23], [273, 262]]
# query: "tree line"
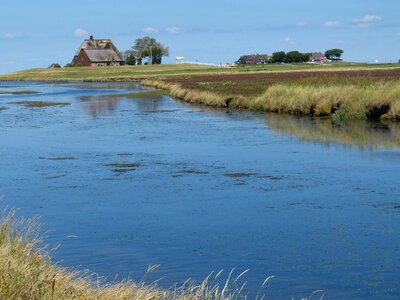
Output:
[[299, 57]]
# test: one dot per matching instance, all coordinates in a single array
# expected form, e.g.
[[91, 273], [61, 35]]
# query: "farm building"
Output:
[[317, 57], [253, 59], [93, 53]]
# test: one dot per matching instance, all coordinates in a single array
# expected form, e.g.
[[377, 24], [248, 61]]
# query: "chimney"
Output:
[[91, 37]]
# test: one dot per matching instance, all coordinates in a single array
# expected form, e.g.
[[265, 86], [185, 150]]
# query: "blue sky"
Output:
[[38, 33]]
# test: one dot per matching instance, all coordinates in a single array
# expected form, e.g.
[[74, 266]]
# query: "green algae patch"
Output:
[[61, 158], [39, 103], [239, 175], [124, 165], [193, 171], [19, 93]]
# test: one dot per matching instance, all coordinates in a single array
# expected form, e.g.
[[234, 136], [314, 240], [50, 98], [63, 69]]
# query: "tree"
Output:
[[296, 57], [129, 57], [277, 57], [334, 54], [148, 47]]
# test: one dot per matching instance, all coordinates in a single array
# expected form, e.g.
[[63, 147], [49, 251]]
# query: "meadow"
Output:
[[342, 94]]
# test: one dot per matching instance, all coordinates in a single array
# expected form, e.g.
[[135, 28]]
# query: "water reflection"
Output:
[[98, 105], [365, 135], [362, 134]]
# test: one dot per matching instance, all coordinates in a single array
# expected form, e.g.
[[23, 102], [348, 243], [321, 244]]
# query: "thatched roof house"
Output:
[[317, 57], [94, 53], [253, 59]]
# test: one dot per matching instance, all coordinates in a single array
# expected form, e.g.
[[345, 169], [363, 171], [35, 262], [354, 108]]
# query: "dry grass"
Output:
[[26, 272]]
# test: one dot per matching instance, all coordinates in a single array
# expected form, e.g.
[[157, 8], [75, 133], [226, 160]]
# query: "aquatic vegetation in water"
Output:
[[193, 171], [61, 158], [3, 108], [39, 103], [124, 165], [19, 93], [238, 175]]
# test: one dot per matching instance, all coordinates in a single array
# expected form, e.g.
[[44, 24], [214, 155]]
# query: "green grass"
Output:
[[27, 272], [34, 104], [130, 73]]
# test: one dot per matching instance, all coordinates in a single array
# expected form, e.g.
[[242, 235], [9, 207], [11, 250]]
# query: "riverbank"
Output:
[[342, 95], [27, 272]]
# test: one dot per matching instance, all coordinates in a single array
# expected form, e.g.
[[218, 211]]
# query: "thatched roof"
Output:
[[100, 50]]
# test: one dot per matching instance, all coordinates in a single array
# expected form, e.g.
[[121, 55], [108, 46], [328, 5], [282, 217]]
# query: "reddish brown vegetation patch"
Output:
[[256, 83]]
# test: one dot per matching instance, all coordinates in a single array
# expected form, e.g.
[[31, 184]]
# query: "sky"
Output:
[[38, 33]]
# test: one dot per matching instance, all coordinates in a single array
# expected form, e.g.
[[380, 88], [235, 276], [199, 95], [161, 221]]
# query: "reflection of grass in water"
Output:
[[20, 92], [125, 154], [239, 175], [273, 177], [362, 134], [193, 171], [61, 158], [124, 170], [124, 165], [39, 103], [142, 95], [161, 111]]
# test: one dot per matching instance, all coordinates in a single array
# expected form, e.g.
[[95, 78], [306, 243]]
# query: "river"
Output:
[[122, 183]]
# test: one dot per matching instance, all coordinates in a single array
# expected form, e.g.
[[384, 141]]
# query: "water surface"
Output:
[[123, 183]]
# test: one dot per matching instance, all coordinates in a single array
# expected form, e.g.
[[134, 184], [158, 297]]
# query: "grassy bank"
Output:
[[362, 94], [27, 272]]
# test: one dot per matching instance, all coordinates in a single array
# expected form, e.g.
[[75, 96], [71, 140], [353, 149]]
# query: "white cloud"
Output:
[[333, 24], [367, 21], [302, 24], [79, 32], [150, 30], [173, 30], [289, 40], [9, 36]]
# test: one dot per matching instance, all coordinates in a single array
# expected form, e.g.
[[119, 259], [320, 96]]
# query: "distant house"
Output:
[[93, 53], [253, 59], [318, 57]]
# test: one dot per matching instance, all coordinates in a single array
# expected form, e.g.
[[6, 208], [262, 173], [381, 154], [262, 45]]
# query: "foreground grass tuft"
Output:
[[26, 272]]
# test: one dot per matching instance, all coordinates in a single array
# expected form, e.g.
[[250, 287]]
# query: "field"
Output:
[[342, 94], [130, 73]]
